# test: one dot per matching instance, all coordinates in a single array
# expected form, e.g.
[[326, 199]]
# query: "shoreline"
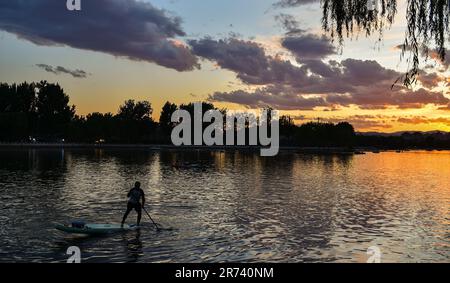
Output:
[[337, 150]]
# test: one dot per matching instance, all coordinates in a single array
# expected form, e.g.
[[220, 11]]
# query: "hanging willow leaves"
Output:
[[427, 26]]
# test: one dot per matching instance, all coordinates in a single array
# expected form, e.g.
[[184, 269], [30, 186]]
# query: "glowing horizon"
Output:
[[200, 56]]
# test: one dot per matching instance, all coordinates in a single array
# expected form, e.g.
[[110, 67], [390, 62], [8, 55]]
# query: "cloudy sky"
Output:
[[236, 53]]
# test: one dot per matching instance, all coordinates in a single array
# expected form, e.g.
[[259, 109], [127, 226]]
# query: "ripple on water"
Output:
[[228, 206]]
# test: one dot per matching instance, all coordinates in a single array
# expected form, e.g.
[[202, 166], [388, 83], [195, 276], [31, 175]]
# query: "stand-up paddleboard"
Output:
[[95, 229]]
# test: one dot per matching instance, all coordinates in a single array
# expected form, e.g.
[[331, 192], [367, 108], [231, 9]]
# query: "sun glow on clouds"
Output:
[[285, 62]]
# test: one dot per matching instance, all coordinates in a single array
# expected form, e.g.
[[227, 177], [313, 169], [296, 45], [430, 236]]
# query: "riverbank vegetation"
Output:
[[41, 112]]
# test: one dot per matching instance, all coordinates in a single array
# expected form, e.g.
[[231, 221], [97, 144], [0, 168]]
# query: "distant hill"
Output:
[[405, 139], [398, 134]]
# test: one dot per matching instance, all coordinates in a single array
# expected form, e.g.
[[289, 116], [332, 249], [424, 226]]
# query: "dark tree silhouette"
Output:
[[37, 108], [53, 111], [135, 111], [17, 113], [287, 129], [98, 126], [135, 123], [165, 119], [427, 24], [344, 134], [13, 126], [17, 98], [325, 134], [190, 107]]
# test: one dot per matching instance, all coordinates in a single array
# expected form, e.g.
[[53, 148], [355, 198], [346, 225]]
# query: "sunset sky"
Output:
[[236, 53]]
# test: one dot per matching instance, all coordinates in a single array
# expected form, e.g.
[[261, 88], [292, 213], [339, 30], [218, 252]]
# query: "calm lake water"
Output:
[[228, 206]]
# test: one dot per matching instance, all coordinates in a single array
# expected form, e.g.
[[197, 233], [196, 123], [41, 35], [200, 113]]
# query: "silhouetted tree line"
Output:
[[36, 108], [316, 134], [41, 112]]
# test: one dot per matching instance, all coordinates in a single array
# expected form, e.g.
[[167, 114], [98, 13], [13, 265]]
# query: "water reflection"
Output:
[[228, 206], [134, 245]]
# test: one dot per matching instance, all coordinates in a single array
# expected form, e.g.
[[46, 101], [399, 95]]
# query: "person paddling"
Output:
[[134, 198]]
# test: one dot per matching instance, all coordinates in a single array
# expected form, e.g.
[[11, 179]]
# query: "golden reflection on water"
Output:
[[381, 197], [234, 206]]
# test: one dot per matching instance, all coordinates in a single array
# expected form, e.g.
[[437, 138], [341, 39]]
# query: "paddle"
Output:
[[154, 223]]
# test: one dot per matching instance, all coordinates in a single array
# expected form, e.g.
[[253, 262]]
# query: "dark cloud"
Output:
[[365, 72], [366, 122], [132, 29], [429, 80], [427, 52], [294, 3], [309, 46], [283, 98], [275, 96], [80, 74], [320, 68], [313, 83], [253, 66], [290, 24], [241, 56], [250, 62], [434, 54], [381, 97]]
